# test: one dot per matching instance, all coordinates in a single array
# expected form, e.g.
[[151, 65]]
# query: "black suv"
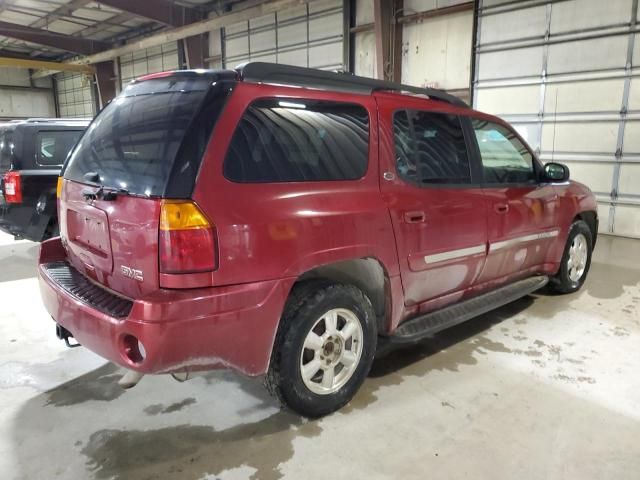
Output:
[[31, 155]]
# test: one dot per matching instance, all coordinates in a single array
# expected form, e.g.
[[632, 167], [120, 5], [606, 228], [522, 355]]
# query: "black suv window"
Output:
[[296, 141], [505, 159], [430, 148], [6, 150], [52, 147]]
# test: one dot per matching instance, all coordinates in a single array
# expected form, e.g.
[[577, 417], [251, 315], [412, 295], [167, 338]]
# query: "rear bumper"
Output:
[[196, 329]]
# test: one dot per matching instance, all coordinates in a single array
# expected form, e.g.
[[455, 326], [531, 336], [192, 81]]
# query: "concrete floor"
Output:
[[547, 387]]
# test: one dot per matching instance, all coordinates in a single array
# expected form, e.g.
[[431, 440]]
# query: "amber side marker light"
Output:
[[187, 241], [59, 188]]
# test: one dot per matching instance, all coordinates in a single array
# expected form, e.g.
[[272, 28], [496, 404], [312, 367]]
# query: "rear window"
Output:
[[53, 147], [298, 141], [150, 139]]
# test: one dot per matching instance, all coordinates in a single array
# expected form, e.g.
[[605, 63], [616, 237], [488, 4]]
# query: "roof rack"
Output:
[[314, 78]]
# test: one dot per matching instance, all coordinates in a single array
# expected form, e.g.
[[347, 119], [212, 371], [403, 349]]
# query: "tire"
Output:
[[570, 278], [304, 324]]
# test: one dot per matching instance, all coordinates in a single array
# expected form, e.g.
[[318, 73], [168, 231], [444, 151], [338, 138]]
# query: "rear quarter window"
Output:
[[280, 140], [6, 150]]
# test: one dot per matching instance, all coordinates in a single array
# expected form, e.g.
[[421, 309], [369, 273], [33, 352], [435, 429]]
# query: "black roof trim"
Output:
[[322, 79]]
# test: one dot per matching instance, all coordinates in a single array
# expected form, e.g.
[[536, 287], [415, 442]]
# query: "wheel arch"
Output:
[[368, 274], [590, 217]]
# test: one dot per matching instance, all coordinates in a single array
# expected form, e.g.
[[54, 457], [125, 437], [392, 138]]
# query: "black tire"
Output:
[[308, 303], [562, 283]]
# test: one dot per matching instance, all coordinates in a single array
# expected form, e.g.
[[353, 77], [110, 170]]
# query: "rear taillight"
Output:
[[187, 239], [13, 187]]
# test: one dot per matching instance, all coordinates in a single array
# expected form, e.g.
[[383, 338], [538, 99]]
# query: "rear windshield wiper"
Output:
[[104, 193]]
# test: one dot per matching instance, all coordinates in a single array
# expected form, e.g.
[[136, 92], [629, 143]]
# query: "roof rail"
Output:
[[314, 78], [45, 119]]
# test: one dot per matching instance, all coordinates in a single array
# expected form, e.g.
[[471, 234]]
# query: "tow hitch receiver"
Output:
[[64, 334]]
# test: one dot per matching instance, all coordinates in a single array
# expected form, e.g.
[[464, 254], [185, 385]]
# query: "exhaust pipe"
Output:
[[64, 334], [130, 379]]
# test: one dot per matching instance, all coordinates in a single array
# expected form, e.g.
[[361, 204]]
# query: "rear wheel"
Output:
[[324, 348], [576, 259]]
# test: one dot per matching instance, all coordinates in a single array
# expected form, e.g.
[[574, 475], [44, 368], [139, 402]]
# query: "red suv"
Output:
[[290, 222]]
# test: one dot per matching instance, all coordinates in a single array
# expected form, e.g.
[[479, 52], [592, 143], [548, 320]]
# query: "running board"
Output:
[[431, 323]]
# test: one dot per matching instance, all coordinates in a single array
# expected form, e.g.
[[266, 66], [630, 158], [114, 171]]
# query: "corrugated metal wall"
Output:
[[75, 95], [564, 73], [310, 36]]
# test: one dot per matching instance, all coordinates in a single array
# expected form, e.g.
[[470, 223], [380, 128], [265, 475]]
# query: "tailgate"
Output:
[[113, 242]]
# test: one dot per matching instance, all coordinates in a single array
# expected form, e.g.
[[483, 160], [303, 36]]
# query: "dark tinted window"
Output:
[[294, 141], [505, 159], [6, 150], [52, 147], [136, 142], [430, 148]]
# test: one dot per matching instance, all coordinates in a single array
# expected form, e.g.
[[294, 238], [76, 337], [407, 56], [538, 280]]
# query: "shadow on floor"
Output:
[[86, 415]]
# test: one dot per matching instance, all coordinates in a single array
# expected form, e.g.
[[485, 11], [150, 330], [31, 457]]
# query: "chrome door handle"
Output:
[[501, 208], [415, 217]]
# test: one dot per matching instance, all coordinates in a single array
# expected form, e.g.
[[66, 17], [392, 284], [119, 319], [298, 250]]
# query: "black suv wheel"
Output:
[[324, 348]]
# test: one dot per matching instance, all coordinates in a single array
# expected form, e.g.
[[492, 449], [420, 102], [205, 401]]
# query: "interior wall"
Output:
[[310, 35], [19, 98], [150, 60], [75, 95], [436, 52]]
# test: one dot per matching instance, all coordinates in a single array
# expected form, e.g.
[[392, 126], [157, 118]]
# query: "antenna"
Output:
[[555, 120]]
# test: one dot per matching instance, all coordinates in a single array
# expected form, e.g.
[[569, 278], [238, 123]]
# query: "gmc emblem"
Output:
[[132, 273]]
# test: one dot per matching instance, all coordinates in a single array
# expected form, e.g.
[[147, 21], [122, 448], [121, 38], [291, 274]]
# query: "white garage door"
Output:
[[150, 60], [564, 73], [308, 36], [75, 95]]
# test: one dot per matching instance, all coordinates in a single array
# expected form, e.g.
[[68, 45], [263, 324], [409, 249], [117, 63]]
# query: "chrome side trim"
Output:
[[525, 238], [453, 254]]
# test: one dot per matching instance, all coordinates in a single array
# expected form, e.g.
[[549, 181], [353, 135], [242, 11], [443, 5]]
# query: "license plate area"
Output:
[[90, 230]]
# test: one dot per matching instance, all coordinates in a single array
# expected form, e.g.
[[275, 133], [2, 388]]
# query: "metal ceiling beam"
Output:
[[161, 11], [44, 65], [192, 29], [168, 13], [61, 11], [83, 46]]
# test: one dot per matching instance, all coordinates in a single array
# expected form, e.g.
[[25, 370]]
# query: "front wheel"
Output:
[[324, 348], [576, 259]]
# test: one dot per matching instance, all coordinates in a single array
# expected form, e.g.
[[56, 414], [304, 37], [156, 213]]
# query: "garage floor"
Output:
[[547, 387]]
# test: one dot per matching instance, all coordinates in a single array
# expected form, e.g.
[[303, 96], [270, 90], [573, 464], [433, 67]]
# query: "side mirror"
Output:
[[555, 172]]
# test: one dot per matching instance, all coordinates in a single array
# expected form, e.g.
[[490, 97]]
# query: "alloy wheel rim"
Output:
[[578, 255], [331, 351]]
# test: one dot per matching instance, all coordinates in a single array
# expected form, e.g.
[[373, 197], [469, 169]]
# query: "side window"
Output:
[[430, 148], [52, 147], [297, 141], [505, 159]]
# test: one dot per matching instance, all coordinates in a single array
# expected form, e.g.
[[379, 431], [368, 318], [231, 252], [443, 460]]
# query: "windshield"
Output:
[[134, 142]]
